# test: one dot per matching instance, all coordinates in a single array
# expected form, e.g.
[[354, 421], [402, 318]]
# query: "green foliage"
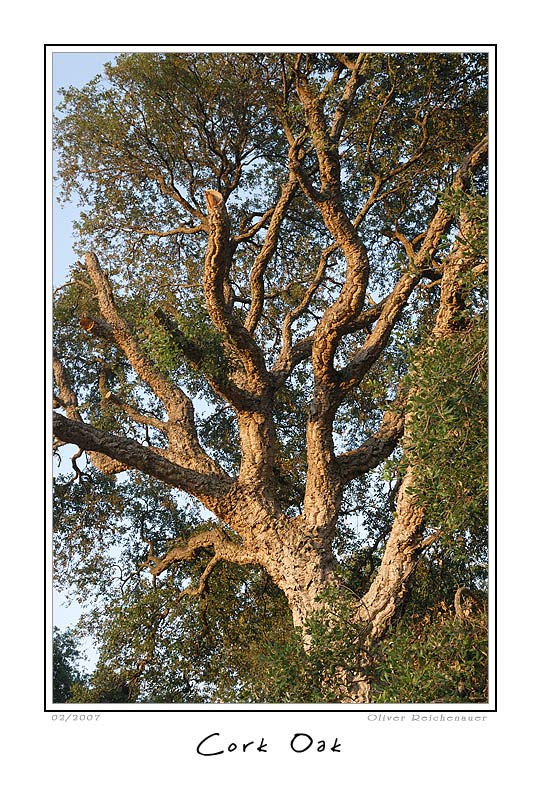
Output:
[[68, 677], [472, 209], [236, 644], [157, 648], [429, 657], [448, 446], [194, 338], [434, 658], [107, 687], [284, 672], [103, 528]]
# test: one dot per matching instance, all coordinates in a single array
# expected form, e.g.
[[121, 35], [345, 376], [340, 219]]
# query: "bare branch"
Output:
[[215, 282], [453, 292], [294, 314], [134, 455], [397, 299], [442, 218], [430, 540], [224, 550], [248, 233], [170, 190], [170, 394], [374, 450], [183, 441], [161, 234], [329, 201], [133, 413], [67, 399], [222, 385], [97, 327], [201, 588], [376, 341], [292, 355], [357, 72], [345, 60], [265, 254]]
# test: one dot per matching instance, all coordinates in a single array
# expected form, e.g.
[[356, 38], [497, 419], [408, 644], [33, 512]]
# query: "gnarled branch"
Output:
[[150, 461], [67, 399], [265, 254], [215, 285], [216, 538], [183, 440], [222, 385], [374, 450]]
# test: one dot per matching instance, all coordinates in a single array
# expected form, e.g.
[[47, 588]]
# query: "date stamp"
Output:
[[75, 717]]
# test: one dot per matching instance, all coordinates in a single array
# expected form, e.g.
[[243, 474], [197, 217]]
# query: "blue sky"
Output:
[[70, 69]]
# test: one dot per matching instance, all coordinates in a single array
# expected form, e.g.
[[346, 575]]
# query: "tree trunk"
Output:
[[302, 568], [383, 600]]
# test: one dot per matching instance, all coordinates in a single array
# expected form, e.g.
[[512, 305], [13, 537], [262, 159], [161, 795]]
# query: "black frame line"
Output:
[[260, 707]]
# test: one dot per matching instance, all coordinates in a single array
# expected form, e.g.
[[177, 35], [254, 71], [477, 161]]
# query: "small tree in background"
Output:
[[67, 673]]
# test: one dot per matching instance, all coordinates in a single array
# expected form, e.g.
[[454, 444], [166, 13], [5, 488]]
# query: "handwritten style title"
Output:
[[214, 745]]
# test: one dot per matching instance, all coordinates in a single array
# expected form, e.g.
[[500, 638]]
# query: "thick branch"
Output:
[[382, 601], [224, 550], [358, 69], [133, 455], [292, 355], [395, 302], [181, 429], [461, 259], [375, 343], [443, 217], [289, 358], [374, 450], [218, 380], [265, 254], [405, 543], [217, 265], [97, 327], [67, 399], [171, 395], [349, 303]]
